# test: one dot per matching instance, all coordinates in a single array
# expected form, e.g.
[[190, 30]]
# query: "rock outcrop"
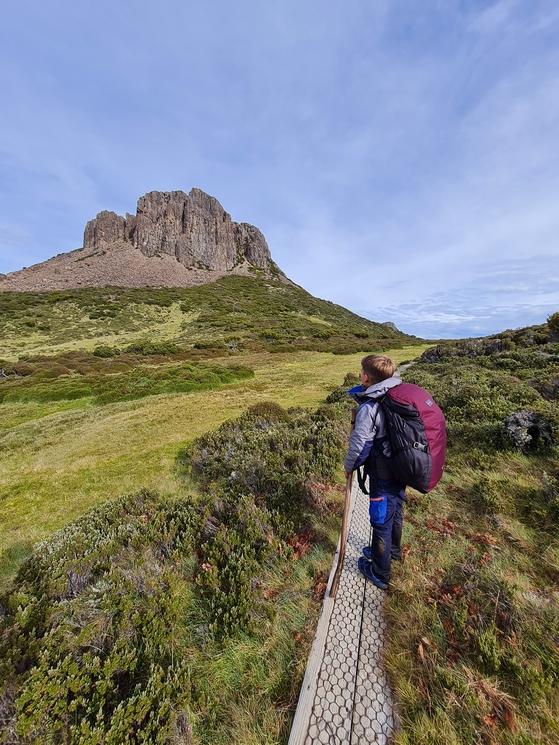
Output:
[[175, 239], [528, 430], [107, 227], [390, 325], [193, 228]]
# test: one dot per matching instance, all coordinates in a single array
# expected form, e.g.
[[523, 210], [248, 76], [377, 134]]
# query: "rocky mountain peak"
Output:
[[175, 239], [193, 228]]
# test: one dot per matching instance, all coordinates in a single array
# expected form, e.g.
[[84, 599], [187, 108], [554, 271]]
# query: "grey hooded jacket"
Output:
[[369, 433]]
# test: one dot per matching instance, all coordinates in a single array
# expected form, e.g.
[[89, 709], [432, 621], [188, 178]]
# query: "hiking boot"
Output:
[[365, 568], [368, 554]]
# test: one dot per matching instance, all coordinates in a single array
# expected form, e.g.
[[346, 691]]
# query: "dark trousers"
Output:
[[386, 511]]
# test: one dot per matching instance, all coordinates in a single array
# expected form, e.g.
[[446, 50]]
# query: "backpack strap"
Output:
[[361, 475], [362, 478]]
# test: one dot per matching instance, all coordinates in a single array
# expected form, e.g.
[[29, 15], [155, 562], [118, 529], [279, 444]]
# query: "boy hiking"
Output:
[[369, 446], [399, 438]]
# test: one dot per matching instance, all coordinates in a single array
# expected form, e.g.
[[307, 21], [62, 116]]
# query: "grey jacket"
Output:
[[369, 433]]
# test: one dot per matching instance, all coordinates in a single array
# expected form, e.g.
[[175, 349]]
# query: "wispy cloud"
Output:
[[522, 293]]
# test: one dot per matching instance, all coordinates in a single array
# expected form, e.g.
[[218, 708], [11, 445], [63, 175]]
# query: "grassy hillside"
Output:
[[473, 615], [232, 314], [99, 387]]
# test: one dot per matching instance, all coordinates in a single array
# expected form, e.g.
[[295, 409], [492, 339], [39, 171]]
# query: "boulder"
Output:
[[528, 430]]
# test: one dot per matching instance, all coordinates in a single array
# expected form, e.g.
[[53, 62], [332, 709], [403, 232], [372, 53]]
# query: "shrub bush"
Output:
[[153, 347], [185, 378], [270, 411], [213, 344], [87, 649], [351, 379], [239, 536], [274, 459], [104, 350], [325, 333], [490, 496], [130, 384]]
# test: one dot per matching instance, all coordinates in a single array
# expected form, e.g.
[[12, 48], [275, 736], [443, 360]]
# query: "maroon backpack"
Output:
[[417, 432]]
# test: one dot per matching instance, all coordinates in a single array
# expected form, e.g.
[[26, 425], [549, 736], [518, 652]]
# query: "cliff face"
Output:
[[193, 228], [175, 239]]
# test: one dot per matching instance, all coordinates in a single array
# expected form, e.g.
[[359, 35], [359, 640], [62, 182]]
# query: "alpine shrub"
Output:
[[87, 649], [274, 460], [103, 350], [489, 496], [270, 411], [239, 536], [153, 347]]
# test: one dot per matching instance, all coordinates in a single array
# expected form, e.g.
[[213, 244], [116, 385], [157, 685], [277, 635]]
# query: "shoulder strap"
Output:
[[361, 475], [362, 479]]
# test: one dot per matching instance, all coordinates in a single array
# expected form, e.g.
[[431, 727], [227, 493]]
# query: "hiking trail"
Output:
[[345, 697]]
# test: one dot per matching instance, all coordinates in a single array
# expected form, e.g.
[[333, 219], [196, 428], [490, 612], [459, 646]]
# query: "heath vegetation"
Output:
[[230, 315], [474, 613], [184, 611], [156, 620]]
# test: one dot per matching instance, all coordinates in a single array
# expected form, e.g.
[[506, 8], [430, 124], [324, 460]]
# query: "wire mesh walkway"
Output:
[[345, 698]]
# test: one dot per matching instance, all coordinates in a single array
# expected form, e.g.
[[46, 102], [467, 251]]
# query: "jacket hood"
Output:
[[361, 394]]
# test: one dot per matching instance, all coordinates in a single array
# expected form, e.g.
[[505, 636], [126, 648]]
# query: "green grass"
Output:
[[473, 613], [152, 618]]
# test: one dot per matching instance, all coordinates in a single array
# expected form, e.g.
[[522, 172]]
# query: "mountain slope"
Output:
[[232, 314]]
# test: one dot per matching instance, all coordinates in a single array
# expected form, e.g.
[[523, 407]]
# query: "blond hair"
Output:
[[378, 367]]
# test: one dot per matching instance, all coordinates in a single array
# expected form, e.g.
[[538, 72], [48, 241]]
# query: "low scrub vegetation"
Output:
[[473, 617], [268, 453], [62, 383], [157, 620], [231, 315], [60, 458]]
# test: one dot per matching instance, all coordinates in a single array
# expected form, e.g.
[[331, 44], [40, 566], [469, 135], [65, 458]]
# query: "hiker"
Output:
[[400, 440], [369, 446]]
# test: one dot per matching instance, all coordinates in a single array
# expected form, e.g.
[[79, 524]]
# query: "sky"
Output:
[[401, 157]]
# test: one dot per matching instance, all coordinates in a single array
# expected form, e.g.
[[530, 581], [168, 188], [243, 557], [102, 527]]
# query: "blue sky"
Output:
[[401, 157]]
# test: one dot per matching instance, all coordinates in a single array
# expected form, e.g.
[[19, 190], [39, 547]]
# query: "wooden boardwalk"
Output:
[[345, 698]]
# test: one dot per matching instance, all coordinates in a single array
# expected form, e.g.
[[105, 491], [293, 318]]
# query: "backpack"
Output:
[[417, 432]]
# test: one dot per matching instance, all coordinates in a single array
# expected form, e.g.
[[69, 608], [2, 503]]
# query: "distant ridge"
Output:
[[175, 239]]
